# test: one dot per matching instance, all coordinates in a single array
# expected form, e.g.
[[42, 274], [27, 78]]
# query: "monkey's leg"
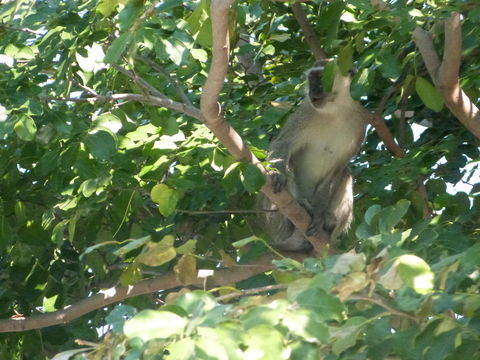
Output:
[[341, 205]]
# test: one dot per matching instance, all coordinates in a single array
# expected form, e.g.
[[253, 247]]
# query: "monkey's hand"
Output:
[[279, 181]]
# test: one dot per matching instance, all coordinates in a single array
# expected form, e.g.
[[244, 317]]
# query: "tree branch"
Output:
[[445, 74], [310, 35], [375, 299], [119, 293], [251, 291], [452, 54], [139, 81], [162, 71], [215, 121], [376, 120], [25, 30], [146, 99]]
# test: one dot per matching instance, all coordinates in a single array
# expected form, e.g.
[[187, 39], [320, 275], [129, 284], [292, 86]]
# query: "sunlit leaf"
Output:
[[151, 324], [156, 254], [165, 197], [25, 128], [429, 94]]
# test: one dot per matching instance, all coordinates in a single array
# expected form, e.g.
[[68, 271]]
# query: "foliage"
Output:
[[96, 193]]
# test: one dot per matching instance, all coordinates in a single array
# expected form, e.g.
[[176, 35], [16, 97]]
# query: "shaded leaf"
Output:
[[186, 269]]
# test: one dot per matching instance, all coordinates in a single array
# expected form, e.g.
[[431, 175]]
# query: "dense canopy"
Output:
[[133, 136]]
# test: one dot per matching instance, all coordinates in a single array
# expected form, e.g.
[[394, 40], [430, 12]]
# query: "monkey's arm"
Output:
[[278, 156]]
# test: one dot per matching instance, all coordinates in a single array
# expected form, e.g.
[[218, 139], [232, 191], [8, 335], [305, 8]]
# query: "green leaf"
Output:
[[102, 144], [346, 335], [345, 59], [156, 254], [94, 60], [132, 244], [106, 7], [165, 197], [210, 349], [69, 354], [231, 176], [199, 54], [117, 48], [328, 306], [329, 73], [25, 128], [429, 94], [306, 324], [24, 52], [96, 246], [187, 248], [371, 212], [416, 273], [107, 121], [88, 187], [263, 342], [49, 303], [391, 216], [390, 65], [175, 49], [129, 14], [411, 271], [169, 4], [181, 350], [196, 303], [151, 324], [117, 317], [261, 315], [248, 240], [251, 177], [131, 274]]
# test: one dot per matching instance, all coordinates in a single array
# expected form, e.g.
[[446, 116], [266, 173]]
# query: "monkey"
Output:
[[310, 159]]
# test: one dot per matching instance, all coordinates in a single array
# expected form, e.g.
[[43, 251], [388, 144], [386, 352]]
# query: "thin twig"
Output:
[[139, 81], [251, 291], [381, 302], [148, 99], [162, 71], [310, 35], [25, 30]]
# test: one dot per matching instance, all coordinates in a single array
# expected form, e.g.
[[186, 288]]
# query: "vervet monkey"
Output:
[[311, 156]]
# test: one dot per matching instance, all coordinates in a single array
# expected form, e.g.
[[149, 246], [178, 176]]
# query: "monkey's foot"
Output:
[[278, 181]]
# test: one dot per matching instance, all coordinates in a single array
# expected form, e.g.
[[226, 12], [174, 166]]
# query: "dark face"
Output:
[[315, 90]]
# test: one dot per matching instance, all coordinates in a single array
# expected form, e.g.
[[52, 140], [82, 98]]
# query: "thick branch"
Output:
[[425, 45], [119, 293], [215, 121], [445, 74], [310, 35], [452, 54]]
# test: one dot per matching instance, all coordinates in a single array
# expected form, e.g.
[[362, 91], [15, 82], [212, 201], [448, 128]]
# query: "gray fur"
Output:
[[311, 156]]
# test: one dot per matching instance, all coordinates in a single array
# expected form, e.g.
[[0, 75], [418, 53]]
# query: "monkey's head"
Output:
[[316, 92]]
